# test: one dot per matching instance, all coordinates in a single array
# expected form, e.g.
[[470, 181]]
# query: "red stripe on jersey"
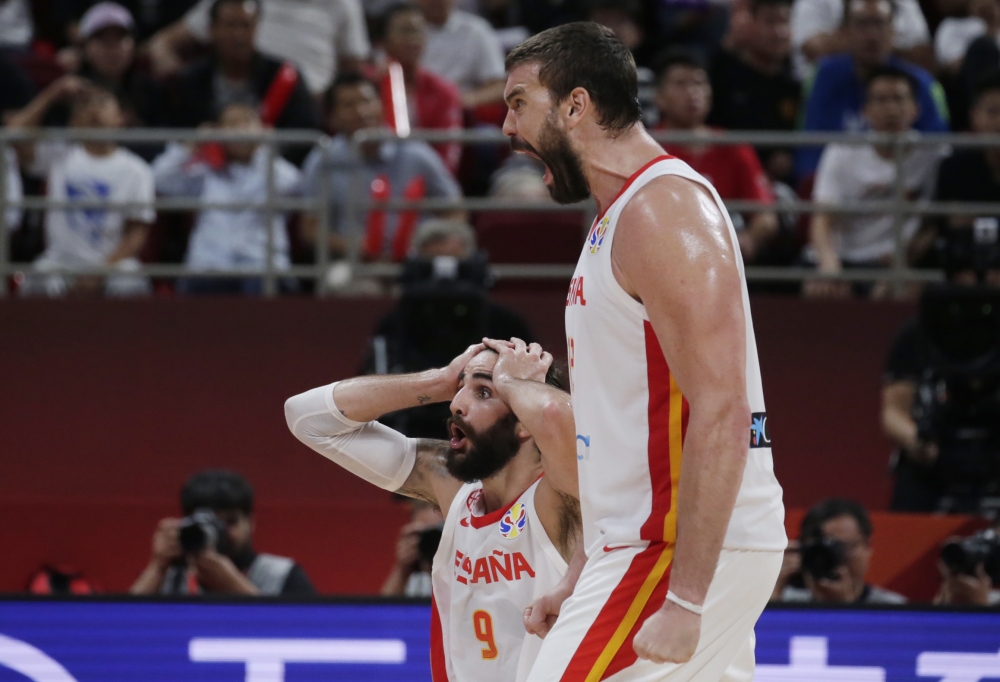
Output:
[[626, 655], [495, 516], [629, 604], [628, 183], [439, 668], [661, 437]]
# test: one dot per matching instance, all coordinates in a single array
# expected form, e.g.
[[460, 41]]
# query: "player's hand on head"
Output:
[[668, 636], [457, 366], [519, 360]]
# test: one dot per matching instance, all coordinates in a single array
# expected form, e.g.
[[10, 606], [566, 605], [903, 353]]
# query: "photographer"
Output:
[[941, 392], [211, 550], [970, 568], [835, 553], [418, 541]]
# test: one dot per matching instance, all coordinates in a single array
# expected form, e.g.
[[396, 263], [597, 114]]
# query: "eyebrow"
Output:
[[518, 90]]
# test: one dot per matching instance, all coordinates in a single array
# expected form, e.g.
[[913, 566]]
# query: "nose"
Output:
[[458, 406], [509, 125]]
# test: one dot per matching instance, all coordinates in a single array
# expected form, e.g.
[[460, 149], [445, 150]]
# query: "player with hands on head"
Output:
[[509, 530]]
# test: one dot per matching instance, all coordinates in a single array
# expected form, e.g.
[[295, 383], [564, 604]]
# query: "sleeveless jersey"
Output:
[[631, 417], [487, 570]]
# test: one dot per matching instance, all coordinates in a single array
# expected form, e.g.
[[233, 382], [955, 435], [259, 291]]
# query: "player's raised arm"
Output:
[[689, 282], [337, 421]]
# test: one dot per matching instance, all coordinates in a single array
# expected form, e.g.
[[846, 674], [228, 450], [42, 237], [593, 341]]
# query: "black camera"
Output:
[[963, 556], [203, 530], [822, 556], [427, 545]]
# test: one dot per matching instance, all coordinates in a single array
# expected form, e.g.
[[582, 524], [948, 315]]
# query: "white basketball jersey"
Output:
[[487, 570], [631, 417]]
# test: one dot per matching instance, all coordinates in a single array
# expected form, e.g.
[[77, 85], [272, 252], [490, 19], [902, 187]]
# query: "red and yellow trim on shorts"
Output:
[[607, 647]]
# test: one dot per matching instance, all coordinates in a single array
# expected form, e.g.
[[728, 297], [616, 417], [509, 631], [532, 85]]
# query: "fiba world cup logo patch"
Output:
[[597, 235], [513, 522]]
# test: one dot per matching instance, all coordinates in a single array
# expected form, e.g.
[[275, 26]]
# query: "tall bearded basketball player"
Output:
[[682, 515], [509, 531]]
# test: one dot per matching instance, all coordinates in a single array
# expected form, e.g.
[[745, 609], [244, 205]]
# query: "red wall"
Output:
[[107, 406]]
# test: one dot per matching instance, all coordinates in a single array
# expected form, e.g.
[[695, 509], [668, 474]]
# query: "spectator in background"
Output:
[[969, 174], [820, 29], [837, 94], [150, 16], [232, 566], [965, 589], [850, 173], [465, 49], [236, 73], [394, 169], [753, 86], [93, 171], [418, 540], [845, 525], [229, 239], [699, 26], [16, 89], [684, 97], [14, 192], [955, 35], [320, 37], [433, 102], [17, 28], [983, 54]]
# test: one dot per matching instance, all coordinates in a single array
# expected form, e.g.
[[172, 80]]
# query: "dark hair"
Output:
[[213, 13], [344, 80], [848, 3], [675, 57], [217, 490], [893, 73], [380, 27], [759, 4], [827, 510], [585, 55], [988, 82]]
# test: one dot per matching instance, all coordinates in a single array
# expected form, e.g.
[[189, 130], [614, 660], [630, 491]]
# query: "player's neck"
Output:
[[504, 487], [609, 162]]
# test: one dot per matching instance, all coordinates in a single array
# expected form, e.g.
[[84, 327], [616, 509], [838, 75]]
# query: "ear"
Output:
[[522, 433], [576, 107]]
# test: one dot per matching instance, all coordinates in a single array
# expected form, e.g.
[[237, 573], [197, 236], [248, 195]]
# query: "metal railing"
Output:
[[358, 203]]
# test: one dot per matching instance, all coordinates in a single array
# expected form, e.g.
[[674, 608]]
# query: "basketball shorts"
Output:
[[619, 589]]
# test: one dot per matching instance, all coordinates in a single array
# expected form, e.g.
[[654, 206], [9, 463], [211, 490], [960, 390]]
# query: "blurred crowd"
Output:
[[338, 66]]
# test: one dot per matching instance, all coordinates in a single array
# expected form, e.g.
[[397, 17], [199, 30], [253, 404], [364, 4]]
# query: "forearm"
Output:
[[541, 408], [395, 584], [763, 227], [31, 116], [150, 581], [365, 398], [714, 458], [130, 245], [822, 243]]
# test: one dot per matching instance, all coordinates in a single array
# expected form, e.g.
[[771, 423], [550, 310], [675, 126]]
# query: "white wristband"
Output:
[[696, 609]]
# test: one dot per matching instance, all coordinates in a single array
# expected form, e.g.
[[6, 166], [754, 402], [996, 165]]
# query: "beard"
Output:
[[569, 184], [488, 452]]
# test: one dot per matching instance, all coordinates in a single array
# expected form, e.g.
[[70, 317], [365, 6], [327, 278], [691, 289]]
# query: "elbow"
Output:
[[292, 413]]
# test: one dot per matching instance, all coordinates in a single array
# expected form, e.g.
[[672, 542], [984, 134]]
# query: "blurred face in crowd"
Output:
[[436, 11], [355, 106], [239, 527], [621, 23], [445, 245], [890, 106], [485, 434], [405, 37], [97, 111], [532, 124], [857, 551], [869, 29], [233, 32], [243, 118], [987, 10], [684, 97], [771, 31], [985, 115], [110, 52]]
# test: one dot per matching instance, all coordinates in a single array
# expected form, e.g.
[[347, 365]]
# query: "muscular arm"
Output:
[[897, 422], [685, 273]]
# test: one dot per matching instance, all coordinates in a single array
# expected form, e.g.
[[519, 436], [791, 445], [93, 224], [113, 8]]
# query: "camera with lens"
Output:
[[427, 545], [201, 531], [965, 555], [822, 556]]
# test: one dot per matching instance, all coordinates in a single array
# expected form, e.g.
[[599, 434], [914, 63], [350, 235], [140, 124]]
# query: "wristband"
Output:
[[696, 609]]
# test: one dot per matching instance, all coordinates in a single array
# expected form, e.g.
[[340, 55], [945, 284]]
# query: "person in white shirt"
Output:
[[229, 239], [465, 49], [79, 239], [817, 31], [955, 34], [321, 37], [852, 173], [14, 190]]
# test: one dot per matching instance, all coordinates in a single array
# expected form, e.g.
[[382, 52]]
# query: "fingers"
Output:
[[547, 359], [494, 344], [519, 345], [535, 349], [536, 622]]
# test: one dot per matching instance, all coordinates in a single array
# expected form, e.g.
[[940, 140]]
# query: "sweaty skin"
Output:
[[672, 253]]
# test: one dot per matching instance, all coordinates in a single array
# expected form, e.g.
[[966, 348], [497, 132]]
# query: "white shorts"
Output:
[[618, 590]]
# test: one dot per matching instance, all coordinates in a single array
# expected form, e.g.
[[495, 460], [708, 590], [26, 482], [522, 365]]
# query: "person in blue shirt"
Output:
[[836, 95]]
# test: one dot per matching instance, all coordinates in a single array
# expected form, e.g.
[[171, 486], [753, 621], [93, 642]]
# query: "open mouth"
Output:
[[458, 437]]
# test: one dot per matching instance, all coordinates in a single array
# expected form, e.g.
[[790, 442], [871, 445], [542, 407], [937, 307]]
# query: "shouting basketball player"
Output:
[[682, 515], [509, 531]]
